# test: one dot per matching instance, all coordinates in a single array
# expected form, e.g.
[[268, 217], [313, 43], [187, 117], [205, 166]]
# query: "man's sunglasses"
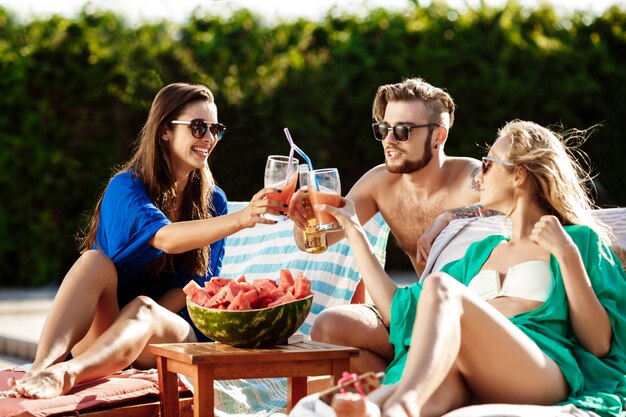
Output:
[[400, 132], [488, 162], [199, 128]]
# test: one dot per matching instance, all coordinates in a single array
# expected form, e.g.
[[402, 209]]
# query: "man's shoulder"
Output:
[[376, 176], [461, 163], [461, 175]]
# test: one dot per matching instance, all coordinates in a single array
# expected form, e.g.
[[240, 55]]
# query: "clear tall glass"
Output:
[[282, 173], [314, 240], [325, 188]]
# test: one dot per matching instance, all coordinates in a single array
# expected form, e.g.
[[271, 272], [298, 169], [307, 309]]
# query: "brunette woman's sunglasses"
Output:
[[488, 161], [400, 132], [199, 128]]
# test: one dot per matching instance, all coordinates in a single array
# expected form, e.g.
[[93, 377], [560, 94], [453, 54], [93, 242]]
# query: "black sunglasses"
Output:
[[488, 162], [199, 128], [400, 132]]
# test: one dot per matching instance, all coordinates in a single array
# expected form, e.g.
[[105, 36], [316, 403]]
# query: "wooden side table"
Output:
[[207, 362]]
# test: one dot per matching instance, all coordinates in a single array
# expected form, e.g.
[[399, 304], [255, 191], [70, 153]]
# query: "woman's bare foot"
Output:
[[50, 383], [32, 371]]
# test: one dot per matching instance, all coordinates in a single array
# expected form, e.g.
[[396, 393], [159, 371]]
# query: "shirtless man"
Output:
[[418, 191]]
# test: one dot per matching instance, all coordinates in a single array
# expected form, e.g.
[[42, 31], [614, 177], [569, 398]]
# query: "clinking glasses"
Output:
[[199, 128], [400, 132], [488, 161]]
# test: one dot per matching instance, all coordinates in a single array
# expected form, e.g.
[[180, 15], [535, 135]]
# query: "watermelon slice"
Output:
[[302, 286], [239, 303], [284, 299], [285, 280]]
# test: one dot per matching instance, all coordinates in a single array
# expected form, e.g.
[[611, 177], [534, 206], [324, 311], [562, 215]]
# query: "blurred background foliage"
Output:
[[75, 92]]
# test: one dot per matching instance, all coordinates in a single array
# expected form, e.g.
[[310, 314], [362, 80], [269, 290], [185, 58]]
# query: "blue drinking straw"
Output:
[[301, 152], [294, 146]]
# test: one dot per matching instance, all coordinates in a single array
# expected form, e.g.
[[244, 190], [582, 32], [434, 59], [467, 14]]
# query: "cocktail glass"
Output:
[[325, 188], [281, 172]]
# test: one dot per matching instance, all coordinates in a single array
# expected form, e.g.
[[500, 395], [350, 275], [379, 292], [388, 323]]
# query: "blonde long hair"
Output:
[[151, 164], [560, 182]]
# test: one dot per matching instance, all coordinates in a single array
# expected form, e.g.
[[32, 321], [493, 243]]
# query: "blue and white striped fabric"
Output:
[[261, 252]]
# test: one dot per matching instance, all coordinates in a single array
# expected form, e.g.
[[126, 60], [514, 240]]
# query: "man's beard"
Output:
[[408, 167]]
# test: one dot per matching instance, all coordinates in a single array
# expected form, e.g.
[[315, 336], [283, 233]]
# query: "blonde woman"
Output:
[[532, 318]]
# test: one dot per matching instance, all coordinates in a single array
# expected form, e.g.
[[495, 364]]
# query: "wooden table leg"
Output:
[[296, 390], [203, 394], [168, 389], [339, 367]]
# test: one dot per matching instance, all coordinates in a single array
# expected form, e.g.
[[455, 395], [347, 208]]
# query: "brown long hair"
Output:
[[558, 178], [151, 164]]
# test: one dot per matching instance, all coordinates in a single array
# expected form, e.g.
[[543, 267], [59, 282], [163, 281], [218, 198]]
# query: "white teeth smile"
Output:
[[202, 151]]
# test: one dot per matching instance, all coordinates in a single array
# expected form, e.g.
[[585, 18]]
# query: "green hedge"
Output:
[[75, 92]]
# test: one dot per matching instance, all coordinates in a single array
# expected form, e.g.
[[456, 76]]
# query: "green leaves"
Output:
[[75, 93]]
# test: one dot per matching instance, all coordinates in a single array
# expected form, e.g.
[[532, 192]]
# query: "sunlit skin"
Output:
[[186, 152], [405, 157], [473, 349], [409, 202], [85, 318]]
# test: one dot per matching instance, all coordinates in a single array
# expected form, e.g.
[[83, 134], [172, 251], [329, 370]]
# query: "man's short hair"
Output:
[[437, 101]]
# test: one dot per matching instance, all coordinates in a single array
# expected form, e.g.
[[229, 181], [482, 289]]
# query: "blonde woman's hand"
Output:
[[550, 235], [345, 213], [258, 205], [434, 229]]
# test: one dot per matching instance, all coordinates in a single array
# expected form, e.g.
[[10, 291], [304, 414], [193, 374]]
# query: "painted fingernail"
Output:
[[279, 191], [285, 205], [282, 212]]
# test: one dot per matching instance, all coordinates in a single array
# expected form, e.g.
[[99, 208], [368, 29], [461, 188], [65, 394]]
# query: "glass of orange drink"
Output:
[[281, 172], [325, 188]]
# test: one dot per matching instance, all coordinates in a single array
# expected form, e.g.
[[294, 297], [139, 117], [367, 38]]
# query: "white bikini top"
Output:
[[530, 280]]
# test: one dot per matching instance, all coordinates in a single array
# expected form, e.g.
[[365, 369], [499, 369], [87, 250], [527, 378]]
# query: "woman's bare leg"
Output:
[[86, 299], [488, 349], [139, 324], [367, 333]]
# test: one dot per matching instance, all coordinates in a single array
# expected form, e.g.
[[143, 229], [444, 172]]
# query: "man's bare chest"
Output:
[[409, 217]]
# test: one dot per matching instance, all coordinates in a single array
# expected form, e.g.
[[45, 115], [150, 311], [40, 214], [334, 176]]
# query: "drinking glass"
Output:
[[282, 173], [314, 240], [325, 188]]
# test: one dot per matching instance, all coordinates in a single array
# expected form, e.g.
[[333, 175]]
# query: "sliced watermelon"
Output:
[[220, 281], [191, 288], [252, 297], [212, 287], [285, 280], [226, 294], [251, 328], [302, 286], [239, 303], [265, 287], [284, 299]]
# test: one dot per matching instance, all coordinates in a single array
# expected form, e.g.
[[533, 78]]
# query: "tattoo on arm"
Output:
[[473, 183], [475, 210]]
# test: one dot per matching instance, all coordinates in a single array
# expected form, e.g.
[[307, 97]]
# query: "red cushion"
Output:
[[116, 388]]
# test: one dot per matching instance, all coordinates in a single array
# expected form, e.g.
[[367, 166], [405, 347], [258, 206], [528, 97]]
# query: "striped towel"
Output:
[[261, 252]]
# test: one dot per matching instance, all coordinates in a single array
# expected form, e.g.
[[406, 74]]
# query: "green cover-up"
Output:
[[596, 384]]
